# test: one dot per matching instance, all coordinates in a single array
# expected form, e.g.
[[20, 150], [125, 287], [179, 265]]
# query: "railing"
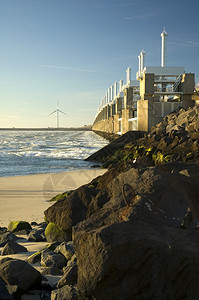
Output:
[[177, 83]]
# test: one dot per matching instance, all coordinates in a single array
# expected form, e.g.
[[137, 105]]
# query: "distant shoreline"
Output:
[[84, 128]]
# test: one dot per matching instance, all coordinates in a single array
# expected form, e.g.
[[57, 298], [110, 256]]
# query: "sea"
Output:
[[34, 152]]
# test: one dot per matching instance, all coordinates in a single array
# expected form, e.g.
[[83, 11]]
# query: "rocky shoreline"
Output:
[[131, 233]]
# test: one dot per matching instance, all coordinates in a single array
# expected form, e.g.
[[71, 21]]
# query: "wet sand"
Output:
[[26, 197]]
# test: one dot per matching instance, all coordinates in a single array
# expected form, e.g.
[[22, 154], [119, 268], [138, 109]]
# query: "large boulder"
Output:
[[72, 209], [7, 236], [19, 273], [137, 260], [133, 252], [15, 226], [66, 249], [36, 235], [34, 258], [50, 258], [70, 276], [67, 292], [53, 271], [3, 230], [54, 233], [12, 248], [4, 293], [172, 193]]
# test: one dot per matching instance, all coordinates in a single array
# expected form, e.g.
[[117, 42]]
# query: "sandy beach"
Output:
[[26, 197]]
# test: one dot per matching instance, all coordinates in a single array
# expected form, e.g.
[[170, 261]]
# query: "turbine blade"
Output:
[[53, 112], [62, 112]]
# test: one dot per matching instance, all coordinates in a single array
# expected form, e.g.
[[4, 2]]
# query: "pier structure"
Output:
[[142, 103]]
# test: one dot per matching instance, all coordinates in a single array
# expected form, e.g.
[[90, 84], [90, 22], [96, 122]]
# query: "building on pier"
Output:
[[142, 103]]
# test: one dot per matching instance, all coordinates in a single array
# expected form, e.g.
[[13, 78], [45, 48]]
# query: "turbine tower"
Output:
[[164, 45], [58, 111]]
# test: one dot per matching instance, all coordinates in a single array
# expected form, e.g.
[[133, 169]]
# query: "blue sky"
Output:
[[72, 51]]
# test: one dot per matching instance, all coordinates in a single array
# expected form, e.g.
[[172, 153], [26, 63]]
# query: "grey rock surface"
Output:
[[66, 249], [69, 277], [36, 235], [65, 293], [50, 258], [5, 237], [12, 248], [19, 273]]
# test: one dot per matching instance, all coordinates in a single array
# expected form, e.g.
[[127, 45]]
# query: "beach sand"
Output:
[[26, 197]]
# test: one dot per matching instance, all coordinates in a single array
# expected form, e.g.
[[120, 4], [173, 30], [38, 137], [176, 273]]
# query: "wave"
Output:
[[40, 152]]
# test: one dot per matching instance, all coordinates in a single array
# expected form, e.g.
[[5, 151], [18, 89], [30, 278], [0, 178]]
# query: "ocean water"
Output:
[[33, 152]]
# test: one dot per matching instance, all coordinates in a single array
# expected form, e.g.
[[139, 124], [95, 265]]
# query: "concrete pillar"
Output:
[[109, 94], [108, 112], [139, 66], [142, 55], [106, 98], [126, 114], [128, 75], [118, 105], [121, 85], [112, 93], [116, 123], [147, 86], [115, 89], [144, 115]]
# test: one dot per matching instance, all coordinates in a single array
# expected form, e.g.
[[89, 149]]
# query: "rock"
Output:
[[53, 271], [23, 232], [4, 293], [194, 135], [33, 223], [12, 248], [131, 253], [69, 277], [65, 213], [104, 180], [19, 273], [15, 226], [5, 237], [70, 262], [52, 246], [66, 249], [137, 260], [36, 235], [65, 293], [13, 290], [45, 295], [51, 259], [3, 230], [30, 297], [42, 225], [54, 233], [169, 204], [34, 258]]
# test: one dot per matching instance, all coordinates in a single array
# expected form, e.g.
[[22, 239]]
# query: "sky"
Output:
[[72, 51]]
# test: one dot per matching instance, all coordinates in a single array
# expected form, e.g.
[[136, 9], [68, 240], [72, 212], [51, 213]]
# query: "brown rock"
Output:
[[137, 260], [12, 248], [69, 277], [73, 209], [67, 292], [19, 273]]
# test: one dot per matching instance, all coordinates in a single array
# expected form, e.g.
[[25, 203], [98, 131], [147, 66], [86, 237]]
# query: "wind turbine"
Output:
[[58, 111]]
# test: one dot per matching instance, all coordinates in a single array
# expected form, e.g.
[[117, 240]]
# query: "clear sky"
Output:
[[73, 50]]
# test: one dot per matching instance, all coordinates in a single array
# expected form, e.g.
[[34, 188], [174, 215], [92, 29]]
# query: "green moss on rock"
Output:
[[61, 196], [54, 233], [34, 258], [15, 226]]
